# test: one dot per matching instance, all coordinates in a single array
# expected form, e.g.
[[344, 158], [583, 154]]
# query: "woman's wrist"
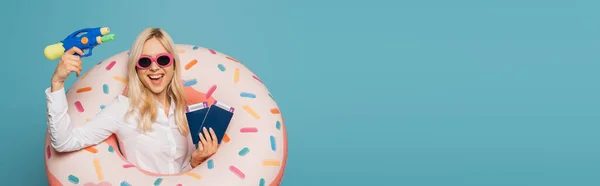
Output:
[[56, 85], [196, 161]]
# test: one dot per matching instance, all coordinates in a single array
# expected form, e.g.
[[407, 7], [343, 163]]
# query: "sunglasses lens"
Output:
[[163, 60], [144, 62]]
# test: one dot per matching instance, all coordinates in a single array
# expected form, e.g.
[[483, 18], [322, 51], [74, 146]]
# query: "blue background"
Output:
[[420, 93]]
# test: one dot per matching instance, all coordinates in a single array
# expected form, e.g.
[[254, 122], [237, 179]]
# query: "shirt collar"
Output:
[[171, 107]]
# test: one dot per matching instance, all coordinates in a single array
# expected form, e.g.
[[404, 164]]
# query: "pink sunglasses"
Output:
[[163, 60]]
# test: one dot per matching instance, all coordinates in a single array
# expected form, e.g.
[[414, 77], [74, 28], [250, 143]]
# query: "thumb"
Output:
[[200, 147]]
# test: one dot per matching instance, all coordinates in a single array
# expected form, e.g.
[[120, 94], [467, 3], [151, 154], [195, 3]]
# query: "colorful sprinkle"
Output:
[[110, 65], [158, 181], [189, 82], [73, 179], [105, 88], [121, 79], [86, 119], [181, 51], [230, 58], [195, 48], [212, 51], [84, 89], [262, 182], [48, 152], [111, 149], [99, 184], [271, 163], [79, 106], [210, 91], [236, 75], [275, 111], [211, 164], [102, 107], [91, 149], [98, 169], [278, 125], [244, 151], [221, 67], [253, 76], [124, 183], [251, 111], [179, 184], [237, 172], [249, 130], [191, 64], [247, 95], [193, 175], [226, 138], [128, 166], [273, 145]]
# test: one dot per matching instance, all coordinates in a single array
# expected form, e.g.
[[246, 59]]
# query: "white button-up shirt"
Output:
[[163, 150]]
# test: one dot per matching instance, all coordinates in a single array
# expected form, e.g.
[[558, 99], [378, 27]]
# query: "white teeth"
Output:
[[155, 76]]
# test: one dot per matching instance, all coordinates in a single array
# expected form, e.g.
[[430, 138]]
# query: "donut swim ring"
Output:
[[254, 148]]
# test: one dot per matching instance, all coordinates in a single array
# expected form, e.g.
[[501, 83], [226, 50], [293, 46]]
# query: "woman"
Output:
[[150, 121]]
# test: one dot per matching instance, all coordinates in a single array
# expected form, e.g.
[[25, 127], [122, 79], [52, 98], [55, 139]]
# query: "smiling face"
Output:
[[155, 77]]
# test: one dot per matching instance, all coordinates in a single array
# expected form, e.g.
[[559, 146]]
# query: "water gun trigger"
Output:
[[89, 53]]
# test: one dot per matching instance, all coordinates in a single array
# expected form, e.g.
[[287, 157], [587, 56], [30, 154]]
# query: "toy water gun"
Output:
[[84, 39]]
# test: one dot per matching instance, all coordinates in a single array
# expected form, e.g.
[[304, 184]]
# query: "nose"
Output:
[[154, 67]]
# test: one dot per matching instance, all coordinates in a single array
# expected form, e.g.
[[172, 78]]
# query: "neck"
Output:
[[163, 98]]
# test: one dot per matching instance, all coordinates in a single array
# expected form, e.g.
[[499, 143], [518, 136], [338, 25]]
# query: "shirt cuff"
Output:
[[56, 101]]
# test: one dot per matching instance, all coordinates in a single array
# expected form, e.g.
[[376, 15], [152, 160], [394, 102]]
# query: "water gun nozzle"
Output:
[[108, 37]]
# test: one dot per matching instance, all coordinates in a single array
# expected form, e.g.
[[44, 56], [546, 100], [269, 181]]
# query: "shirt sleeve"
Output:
[[186, 164], [65, 137]]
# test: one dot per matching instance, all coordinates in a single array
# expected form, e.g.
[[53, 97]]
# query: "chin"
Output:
[[156, 89]]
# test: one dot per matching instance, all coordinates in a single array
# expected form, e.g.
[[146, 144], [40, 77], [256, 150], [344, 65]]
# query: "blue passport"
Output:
[[218, 116], [195, 116]]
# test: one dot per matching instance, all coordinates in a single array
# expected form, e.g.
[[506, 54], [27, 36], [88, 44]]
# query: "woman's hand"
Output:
[[68, 63], [207, 147]]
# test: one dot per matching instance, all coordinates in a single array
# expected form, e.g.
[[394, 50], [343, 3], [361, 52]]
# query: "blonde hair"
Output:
[[141, 98]]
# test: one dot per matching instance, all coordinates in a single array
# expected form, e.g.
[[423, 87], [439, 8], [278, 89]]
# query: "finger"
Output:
[[202, 140], [207, 134], [72, 58], [76, 63], [214, 137], [76, 70], [200, 147], [74, 50]]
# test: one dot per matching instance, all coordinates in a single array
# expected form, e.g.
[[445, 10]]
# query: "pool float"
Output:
[[254, 151]]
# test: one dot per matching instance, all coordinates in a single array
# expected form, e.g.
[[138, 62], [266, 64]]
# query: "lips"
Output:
[[155, 76], [156, 79]]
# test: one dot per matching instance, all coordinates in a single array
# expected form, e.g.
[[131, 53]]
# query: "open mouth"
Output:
[[156, 78]]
